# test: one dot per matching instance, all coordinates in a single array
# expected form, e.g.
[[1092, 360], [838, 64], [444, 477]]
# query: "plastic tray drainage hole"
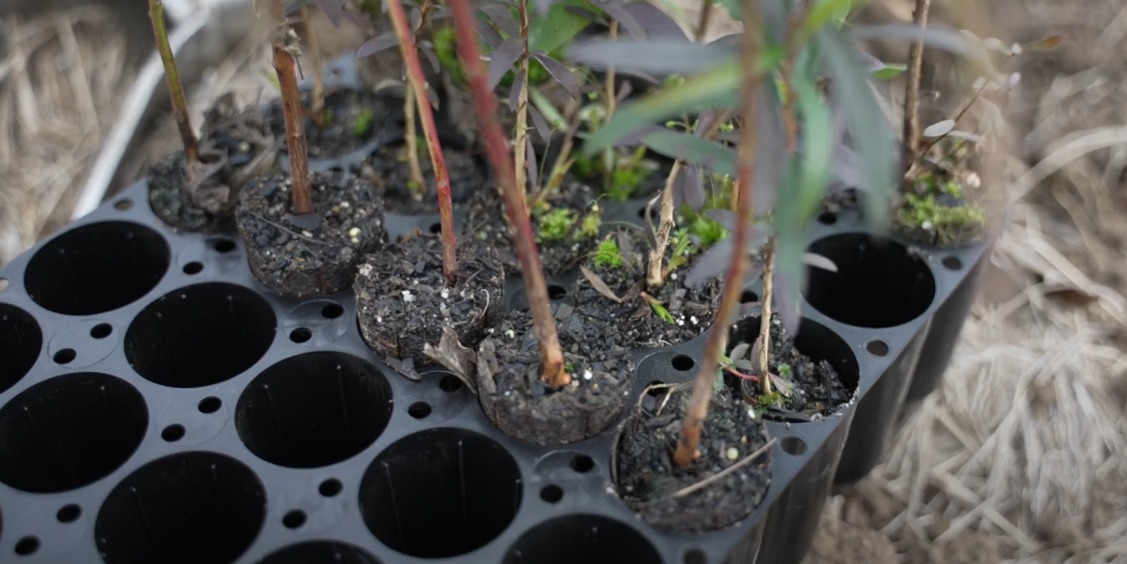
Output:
[[293, 519], [97, 268], [656, 388], [419, 410], [320, 551], [793, 445], [952, 263], [877, 347], [878, 283], [683, 362], [556, 292], [436, 228], [827, 218], [124, 204], [582, 537], [551, 493], [582, 463], [101, 330], [450, 383], [749, 297], [332, 311], [173, 433], [69, 513], [444, 479], [210, 404], [330, 487], [3, 284], [64, 356], [20, 343], [301, 335], [69, 431], [194, 267], [189, 507], [314, 409], [200, 335], [223, 246], [27, 546]]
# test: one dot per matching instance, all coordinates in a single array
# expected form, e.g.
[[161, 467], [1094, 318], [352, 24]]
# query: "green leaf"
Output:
[[717, 88], [558, 26], [867, 125], [824, 11], [817, 147], [889, 71], [716, 157]]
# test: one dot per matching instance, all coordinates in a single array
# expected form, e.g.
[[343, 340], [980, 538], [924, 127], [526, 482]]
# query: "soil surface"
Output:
[[521, 405], [639, 323], [310, 254], [816, 389], [237, 147], [405, 301], [389, 171], [354, 118], [487, 220], [649, 482]]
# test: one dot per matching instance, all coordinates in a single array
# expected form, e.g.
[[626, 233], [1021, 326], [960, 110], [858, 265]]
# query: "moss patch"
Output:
[[934, 211]]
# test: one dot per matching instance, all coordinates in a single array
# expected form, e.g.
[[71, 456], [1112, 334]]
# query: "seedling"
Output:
[[554, 372], [438, 162], [285, 48], [172, 77]]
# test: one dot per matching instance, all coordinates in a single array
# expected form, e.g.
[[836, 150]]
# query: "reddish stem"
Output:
[[285, 66], [426, 116], [496, 146]]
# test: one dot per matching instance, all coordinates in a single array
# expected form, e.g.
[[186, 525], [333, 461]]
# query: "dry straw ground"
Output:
[[1019, 457]]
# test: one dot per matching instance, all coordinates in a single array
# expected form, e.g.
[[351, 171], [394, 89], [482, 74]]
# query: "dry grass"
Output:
[[60, 85]]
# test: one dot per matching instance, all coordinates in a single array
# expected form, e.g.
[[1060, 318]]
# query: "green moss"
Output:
[[589, 227], [607, 255], [363, 123], [447, 54], [555, 225], [939, 207], [627, 172]]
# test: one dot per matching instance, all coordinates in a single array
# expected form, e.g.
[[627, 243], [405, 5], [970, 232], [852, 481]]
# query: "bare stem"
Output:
[[520, 131], [765, 316], [411, 138], [284, 65], [172, 76], [688, 444], [426, 116], [485, 104], [915, 68], [655, 276], [318, 105]]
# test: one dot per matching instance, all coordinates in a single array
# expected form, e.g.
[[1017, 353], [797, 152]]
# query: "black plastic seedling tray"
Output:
[[158, 404]]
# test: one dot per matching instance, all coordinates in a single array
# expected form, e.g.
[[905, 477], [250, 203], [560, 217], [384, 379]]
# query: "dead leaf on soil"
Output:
[[599, 285], [459, 359]]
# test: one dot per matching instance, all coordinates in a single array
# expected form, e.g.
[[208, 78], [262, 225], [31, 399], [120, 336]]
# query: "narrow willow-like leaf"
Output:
[[939, 129], [378, 43], [662, 56], [616, 9], [823, 12], [716, 157], [502, 60], [868, 128], [502, 16], [788, 278], [817, 146], [717, 88], [657, 23], [940, 38], [568, 79], [557, 26]]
